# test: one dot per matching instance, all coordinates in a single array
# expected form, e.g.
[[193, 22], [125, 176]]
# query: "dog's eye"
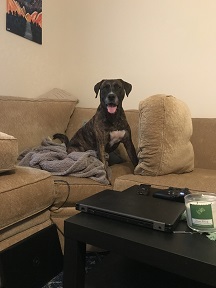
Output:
[[106, 87], [117, 87]]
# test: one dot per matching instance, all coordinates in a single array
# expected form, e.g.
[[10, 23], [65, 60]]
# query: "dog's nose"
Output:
[[111, 97]]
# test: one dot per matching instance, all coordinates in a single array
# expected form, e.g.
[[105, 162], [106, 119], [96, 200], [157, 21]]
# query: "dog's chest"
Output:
[[116, 137]]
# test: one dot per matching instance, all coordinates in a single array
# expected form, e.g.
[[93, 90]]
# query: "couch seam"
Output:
[[8, 139], [12, 189], [6, 227], [68, 121]]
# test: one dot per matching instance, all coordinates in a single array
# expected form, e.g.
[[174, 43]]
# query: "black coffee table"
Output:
[[188, 255]]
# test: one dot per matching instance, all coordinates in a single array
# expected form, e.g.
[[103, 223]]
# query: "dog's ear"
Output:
[[97, 87], [127, 87]]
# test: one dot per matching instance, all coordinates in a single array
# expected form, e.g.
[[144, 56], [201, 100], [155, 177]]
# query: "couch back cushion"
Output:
[[31, 120], [78, 119], [204, 142]]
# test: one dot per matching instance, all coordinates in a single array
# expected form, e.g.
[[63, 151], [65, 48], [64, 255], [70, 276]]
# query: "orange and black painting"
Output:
[[24, 18]]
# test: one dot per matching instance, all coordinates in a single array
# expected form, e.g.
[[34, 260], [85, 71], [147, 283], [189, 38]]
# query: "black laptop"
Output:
[[133, 207]]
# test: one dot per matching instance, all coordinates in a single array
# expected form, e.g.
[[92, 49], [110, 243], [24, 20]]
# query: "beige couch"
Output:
[[32, 199]]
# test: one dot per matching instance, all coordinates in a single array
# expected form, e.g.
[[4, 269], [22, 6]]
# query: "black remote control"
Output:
[[172, 193]]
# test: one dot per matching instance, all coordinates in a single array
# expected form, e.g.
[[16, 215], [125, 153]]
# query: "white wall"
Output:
[[27, 68], [159, 46]]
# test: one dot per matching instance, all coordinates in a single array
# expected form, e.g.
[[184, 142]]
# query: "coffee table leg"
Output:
[[74, 264]]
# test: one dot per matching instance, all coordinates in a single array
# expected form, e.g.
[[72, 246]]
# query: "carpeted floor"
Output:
[[56, 282], [115, 271]]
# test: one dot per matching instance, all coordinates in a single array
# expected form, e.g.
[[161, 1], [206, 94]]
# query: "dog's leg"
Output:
[[128, 144], [102, 155]]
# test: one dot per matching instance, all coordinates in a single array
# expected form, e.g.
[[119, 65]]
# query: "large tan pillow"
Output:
[[165, 128], [8, 152]]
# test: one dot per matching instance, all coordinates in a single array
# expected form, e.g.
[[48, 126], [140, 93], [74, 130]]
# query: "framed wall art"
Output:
[[24, 18]]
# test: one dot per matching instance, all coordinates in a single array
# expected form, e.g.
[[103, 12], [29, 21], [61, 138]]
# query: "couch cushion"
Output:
[[24, 193], [69, 189], [31, 120], [8, 152], [165, 129], [199, 180], [78, 119]]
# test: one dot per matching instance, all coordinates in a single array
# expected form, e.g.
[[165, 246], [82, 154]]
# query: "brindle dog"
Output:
[[108, 127]]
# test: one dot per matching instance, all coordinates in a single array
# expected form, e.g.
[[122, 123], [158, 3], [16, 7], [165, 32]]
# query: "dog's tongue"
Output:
[[111, 109]]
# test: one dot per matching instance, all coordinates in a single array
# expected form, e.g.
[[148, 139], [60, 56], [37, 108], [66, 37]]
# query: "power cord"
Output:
[[68, 194]]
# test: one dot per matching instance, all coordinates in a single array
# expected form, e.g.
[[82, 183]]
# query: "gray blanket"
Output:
[[52, 157]]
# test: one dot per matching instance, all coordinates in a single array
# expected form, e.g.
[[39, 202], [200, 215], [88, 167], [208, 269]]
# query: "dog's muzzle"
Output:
[[112, 103]]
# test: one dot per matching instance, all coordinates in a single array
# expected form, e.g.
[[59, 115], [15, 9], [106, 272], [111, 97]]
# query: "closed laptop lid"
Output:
[[130, 206]]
